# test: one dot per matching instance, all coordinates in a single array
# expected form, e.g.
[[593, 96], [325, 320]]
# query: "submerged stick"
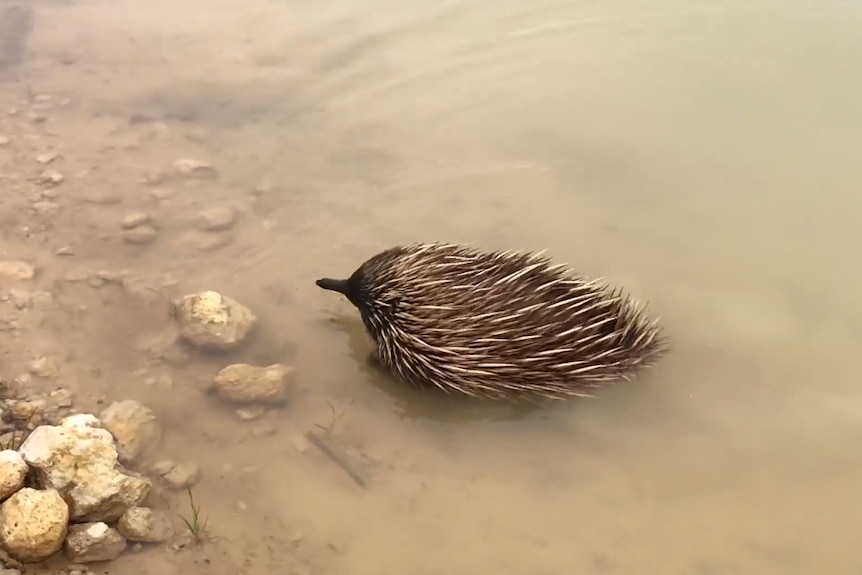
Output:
[[337, 459]]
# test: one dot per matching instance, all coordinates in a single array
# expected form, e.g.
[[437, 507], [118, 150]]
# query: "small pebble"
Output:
[[17, 270], [47, 158], [46, 207], [249, 413], [177, 476], [142, 524], [300, 443], [140, 235], [62, 397], [161, 193], [189, 168], [112, 277], [216, 218], [51, 177], [134, 220], [43, 367]]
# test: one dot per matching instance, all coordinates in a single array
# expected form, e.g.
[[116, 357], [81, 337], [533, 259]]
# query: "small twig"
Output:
[[16, 441], [320, 444], [328, 429], [172, 306]]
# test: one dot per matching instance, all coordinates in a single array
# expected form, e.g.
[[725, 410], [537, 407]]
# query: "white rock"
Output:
[[134, 220], [17, 270], [145, 525], [51, 177], [135, 428], [141, 234], [33, 524], [209, 319], [244, 383], [82, 464], [189, 168], [47, 157], [81, 420], [13, 470], [91, 542], [216, 218], [43, 367]]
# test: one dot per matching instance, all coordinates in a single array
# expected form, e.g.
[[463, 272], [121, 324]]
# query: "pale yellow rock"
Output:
[[13, 470], [81, 462], [210, 319], [145, 525], [33, 524], [92, 542], [17, 270], [191, 168], [244, 383], [135, 428]]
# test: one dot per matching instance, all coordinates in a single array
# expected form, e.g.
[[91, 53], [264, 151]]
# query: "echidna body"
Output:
[[502, 325]]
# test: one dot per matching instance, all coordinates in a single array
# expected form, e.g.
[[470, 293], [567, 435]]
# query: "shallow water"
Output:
[[700, 153]]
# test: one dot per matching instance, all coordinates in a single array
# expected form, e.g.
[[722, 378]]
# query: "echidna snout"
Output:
[[341, 286], [344, 287]]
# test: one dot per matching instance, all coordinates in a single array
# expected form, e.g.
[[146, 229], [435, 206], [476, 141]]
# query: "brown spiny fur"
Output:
[[500, 325]]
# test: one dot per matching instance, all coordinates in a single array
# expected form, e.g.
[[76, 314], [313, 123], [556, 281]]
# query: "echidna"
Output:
[[500, 325]]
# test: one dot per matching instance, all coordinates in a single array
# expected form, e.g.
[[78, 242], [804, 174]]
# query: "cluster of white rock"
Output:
[[66, 488]]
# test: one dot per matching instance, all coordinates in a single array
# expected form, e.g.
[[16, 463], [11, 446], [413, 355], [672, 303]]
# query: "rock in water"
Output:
[[244, 383], [145, 525], [212, 320], [92, 542], [135, 428], [33, 524]]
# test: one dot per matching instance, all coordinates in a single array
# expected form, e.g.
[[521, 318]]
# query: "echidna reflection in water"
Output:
[[499, 325]]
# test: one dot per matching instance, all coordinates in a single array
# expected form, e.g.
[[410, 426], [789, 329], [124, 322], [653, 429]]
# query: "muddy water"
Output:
[[703, 154]]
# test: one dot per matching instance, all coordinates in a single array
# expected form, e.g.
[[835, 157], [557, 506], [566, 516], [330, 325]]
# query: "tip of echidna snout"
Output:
[[500, 325]]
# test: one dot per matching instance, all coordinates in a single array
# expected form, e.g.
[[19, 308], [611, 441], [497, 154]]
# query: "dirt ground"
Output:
[[71, 169]]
